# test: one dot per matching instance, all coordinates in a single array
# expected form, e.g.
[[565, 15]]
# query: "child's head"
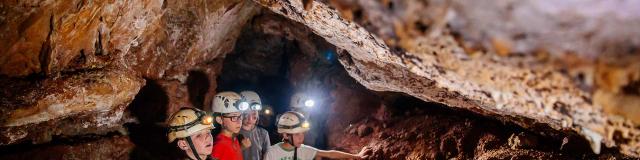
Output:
[[292, 126], [255, 105], [228, 108], [296, 139], [190, 128], [250, 118]]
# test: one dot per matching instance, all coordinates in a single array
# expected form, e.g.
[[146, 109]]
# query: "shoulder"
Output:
[[244, 132], [261, 130], [306, 148], [275, 146], [308, 151], [273, 149], [220, 146]]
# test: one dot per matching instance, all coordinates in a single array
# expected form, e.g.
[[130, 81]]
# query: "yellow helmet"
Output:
[[292, 122], [188, 121]]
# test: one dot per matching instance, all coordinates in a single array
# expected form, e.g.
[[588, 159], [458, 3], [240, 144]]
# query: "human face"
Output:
[[202, 141], [250, 119], [298, 138], [232, 122]]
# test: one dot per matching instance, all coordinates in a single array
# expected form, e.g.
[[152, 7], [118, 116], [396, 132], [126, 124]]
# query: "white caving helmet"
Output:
[[292, 122], [228, 102], [253, 99]]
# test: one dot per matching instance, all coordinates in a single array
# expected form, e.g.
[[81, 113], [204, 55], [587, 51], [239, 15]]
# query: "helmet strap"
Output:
[[295, 149], [295, 152], [193, 148]]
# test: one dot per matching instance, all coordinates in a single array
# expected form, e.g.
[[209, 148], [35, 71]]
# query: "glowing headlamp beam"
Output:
[[243, 106], [309, 103]]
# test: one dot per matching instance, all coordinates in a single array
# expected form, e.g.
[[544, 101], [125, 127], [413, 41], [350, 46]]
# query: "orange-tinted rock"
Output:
[[115, 147], [188, 34], [92, 101], [439, 70], [52, 36], [80, 46]]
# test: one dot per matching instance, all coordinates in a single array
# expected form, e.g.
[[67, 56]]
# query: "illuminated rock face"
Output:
[[71, 69], [90, 102], [439, 69]]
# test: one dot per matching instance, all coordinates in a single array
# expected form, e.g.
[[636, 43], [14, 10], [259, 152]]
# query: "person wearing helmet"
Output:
[[257, 136], [191, 128], [303, 103], [227, 108], [292, 127]]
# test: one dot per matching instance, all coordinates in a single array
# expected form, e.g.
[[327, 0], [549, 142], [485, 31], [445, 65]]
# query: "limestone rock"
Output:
[[52, 36], [71, 68], [440, 70], [64, 106], [523, 140], [116, 147]]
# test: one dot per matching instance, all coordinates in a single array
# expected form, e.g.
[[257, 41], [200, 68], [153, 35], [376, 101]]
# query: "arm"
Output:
[[333, 154], [268, 156], [266, 143]]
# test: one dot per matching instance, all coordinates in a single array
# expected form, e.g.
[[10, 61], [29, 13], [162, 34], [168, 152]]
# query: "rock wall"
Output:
[[395, 125], [439, 69], [71, 68]]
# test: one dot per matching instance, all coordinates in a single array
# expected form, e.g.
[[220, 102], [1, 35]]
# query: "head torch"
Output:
[[244, 105], [256, 106], [309, 103]]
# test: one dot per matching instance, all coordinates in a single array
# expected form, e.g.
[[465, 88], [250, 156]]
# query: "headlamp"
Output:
[[256, 106], [243, 105], [309, 103], [207, 120], [306, 124], [267, 111]]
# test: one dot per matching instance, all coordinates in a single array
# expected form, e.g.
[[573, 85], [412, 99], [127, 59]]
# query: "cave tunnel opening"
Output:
[[148, 134], [276, 67]]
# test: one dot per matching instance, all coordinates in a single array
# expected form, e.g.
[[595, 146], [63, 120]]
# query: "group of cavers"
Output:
[[234, 117]]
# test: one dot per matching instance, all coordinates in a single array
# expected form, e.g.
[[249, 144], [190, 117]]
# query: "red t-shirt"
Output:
[[225, 148]]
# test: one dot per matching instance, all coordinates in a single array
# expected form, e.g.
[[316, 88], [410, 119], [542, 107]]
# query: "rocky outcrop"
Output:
[[114, 147], [72, 68], [407, 128], [440, 70], [91, 102], [52, 36]]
